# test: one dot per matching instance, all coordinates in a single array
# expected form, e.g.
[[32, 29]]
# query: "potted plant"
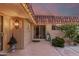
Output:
[[48, 37], [12, 43]]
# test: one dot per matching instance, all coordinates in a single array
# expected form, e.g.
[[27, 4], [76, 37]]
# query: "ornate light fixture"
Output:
[[16, 24]]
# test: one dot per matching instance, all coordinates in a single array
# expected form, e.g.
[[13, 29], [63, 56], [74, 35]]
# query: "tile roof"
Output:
[[42, 16]]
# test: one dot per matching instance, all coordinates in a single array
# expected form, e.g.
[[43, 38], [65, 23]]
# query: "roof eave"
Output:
[[29, 13]]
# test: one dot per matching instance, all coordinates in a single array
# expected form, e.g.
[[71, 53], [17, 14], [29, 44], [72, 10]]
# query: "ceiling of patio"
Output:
[[62, 9], [12, 9]]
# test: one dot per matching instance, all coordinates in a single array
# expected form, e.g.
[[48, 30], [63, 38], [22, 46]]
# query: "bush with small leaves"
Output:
[[58, 42]]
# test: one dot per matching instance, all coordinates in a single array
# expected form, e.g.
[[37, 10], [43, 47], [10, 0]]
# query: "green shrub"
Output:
[[77, 39], [70, 31], [58, 42]]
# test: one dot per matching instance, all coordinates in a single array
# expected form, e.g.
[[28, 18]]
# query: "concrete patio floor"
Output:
[[44, 48]]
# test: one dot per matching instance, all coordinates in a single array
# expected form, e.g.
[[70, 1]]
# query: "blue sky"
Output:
[[65, 9]]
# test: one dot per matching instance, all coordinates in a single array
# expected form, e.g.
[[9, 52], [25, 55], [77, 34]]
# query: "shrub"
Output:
[[58, 42], [77, 39], [70, 31]]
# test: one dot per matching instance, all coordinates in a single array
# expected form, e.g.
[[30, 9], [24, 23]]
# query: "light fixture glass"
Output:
[[17, 24]]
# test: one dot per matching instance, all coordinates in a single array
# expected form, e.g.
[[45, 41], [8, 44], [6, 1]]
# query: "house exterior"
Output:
[[19, 19], [16, 19], [50, 24]]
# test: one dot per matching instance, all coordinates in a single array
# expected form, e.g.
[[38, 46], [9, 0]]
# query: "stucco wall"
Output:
[[27, 33], [19, 35], [23, 35], [6, 31], [53, 33]]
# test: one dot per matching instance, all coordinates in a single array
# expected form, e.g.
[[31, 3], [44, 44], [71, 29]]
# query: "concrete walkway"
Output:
[[44, 48]]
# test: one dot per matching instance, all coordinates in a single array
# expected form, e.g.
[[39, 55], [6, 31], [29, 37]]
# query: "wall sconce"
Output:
[[16, 24]]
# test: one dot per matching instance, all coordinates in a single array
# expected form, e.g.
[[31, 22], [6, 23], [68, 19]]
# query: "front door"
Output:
[[1, 33], [40, 32]]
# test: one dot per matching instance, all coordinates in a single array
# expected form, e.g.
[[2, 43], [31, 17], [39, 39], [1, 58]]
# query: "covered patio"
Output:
[[32, 26], [46, 19], [44, 48]]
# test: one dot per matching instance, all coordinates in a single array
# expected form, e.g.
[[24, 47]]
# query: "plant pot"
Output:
[[75, 44]]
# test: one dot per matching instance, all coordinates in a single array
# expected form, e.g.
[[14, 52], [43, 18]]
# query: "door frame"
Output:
[[1, 33], [39, 31]]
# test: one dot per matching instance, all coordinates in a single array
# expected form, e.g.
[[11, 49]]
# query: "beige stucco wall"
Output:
[[22, 35], [53, 33], [27, 33], [19, 34], [6, 31]]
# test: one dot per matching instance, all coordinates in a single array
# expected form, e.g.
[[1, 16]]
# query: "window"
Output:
[[55, 27]]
